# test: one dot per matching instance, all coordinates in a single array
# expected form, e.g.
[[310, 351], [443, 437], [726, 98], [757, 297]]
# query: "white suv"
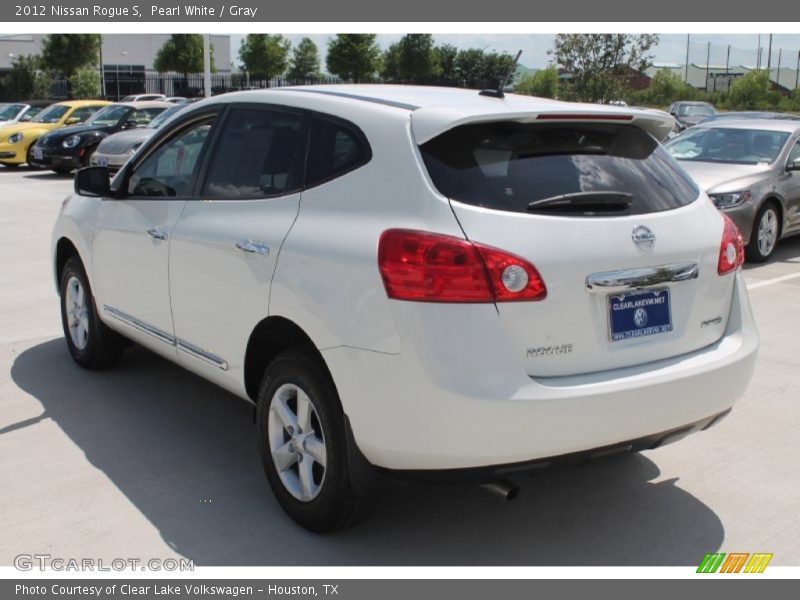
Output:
[[417, 282]]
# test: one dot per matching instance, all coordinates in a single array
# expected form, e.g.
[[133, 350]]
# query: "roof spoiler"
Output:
[[428, 123]]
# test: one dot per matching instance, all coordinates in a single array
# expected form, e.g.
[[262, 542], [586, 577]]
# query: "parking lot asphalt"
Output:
[[149, 461]]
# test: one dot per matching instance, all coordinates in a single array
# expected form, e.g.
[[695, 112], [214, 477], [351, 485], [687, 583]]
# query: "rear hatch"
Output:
[[624, 240]]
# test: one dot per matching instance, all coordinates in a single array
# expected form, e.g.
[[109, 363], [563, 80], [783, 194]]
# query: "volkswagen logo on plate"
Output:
[[643, 237], [640, 317]]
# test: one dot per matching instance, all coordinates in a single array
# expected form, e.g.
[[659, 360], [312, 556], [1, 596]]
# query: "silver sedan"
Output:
[[751, 170]]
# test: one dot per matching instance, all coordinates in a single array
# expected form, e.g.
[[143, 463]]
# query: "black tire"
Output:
[[753, 251], [100, 348], [29, 156], [336, 504]]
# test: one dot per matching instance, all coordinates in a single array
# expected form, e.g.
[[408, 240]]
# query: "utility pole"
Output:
[[778, 74], [797, 71], [686, 72], [758, 53], [708, 58], [206, 66], [728, 60], [102, 70], [769, 54]]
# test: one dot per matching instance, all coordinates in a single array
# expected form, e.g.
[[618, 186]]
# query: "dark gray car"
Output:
[[751, 170], [690, 113]]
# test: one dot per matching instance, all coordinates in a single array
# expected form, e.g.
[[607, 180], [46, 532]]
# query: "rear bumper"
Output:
[[451, 409]]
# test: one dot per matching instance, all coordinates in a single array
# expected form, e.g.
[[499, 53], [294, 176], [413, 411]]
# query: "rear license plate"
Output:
[[37, 153], [640, 313], [102, 161]]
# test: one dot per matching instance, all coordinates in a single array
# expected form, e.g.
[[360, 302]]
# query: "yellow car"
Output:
[[17, 139]]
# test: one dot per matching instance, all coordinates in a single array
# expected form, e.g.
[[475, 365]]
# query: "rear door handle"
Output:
[[252, 247], [157, 233]]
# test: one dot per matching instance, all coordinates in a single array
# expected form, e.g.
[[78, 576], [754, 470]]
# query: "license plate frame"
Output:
[[38, 154], [639, 313], [102, 161]]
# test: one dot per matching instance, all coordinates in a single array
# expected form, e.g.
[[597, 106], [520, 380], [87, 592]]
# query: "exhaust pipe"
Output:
[[503, 488]]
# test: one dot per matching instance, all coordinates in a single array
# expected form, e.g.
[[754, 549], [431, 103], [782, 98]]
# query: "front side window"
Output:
[[795, 153], [10, 111], [169, 170], [257, 154], [580, 168], [728, 145], [335, 149]]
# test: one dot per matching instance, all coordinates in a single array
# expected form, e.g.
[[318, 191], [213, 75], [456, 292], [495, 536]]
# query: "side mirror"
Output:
[[793, 166], [25, 118], [72, 121], [92, 182]]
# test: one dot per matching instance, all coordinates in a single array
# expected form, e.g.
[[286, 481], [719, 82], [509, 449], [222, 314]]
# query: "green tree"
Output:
[[26, 80], [390, 70], [750, 92], [305, 60], [665, 87], [354, 56], [469, 64], [496, 66], [446, 55], [416, 60], [181, 53], [600, 63], [543, 83], [85, 84], [68, 52], [265, 56]]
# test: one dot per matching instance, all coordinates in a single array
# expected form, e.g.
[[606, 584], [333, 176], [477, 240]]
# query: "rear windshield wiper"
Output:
[[583, 202]]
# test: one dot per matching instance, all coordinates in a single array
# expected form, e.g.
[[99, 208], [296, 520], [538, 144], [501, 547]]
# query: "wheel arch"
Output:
[[65, 250], [268, 339]]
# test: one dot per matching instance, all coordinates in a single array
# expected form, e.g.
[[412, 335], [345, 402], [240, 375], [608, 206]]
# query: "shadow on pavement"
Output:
[[170, 441]]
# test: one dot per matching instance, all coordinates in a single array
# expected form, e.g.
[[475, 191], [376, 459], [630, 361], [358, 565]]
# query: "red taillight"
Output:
[[430, 267], [731, 250]]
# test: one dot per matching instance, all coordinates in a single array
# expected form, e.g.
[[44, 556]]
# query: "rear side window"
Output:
[[335, 148], [257, 154], [584, 169]]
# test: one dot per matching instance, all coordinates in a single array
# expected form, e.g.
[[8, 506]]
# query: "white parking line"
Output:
[[766, 282]]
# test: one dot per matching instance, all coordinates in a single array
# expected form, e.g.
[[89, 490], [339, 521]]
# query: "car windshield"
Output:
[[9, 111], [160, 119], [728, 145], [695, 110], [110, 115], [51, 114], [572, 168]]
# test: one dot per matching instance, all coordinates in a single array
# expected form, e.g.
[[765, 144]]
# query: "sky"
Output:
[[671, 47]]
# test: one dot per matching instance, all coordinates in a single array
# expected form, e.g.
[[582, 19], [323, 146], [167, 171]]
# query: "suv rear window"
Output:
[[609, 169]]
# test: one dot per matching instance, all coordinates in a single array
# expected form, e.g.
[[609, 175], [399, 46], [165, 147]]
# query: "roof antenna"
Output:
[[498, 93]]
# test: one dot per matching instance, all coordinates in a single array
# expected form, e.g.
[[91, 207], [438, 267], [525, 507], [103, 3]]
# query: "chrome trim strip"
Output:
[[611, 282], [203, 355], [140, 325]]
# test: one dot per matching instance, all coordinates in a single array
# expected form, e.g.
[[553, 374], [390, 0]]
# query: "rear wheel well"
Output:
[[64, 251], [272, 336]]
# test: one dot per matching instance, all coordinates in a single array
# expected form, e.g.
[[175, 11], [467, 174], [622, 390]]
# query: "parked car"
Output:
[[67, 149], [750, 114], [415, 282], [177, 99], [115, 150], [21, 112], [17, 139], [689, 114], [143, 97], [749, 169]]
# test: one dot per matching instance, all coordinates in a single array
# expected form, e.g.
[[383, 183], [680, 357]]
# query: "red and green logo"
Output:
[[734, 562]]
